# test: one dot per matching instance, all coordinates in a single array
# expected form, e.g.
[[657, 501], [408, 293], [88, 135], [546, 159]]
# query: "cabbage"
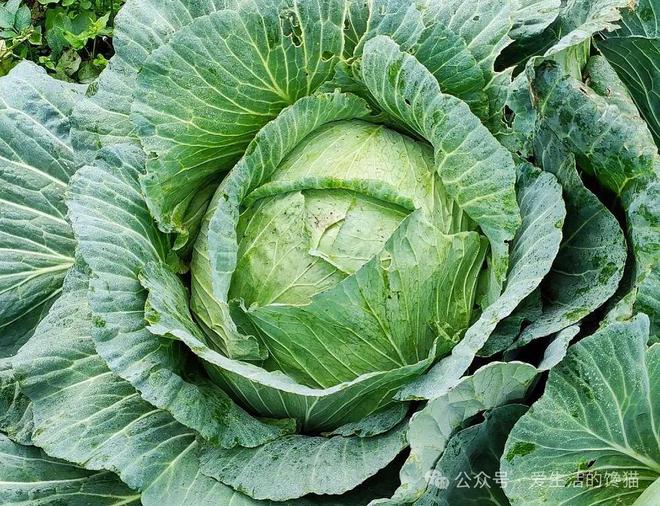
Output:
[[335, 252]]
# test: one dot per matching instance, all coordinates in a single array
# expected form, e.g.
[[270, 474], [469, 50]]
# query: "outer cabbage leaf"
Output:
[[87, 415], [261, 473], [28, 475], [640, 200], [594, 129], [642, 203], [262, 58], [462, 40], [567, 39], [601, 77], [141, 26], [104, 118], [375, 424], [531, 17], [447, 56], [507, 330], [592, 255], [36, 162], [634, 51], [432, 427], [17, 333], [604, 419], [649, 496], [399, 19], [15, 408], [613, 143]]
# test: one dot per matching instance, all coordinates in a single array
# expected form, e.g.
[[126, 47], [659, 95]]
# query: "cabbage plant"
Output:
[[331, 252]]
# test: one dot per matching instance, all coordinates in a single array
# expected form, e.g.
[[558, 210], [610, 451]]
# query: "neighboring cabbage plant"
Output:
[[326, 252]]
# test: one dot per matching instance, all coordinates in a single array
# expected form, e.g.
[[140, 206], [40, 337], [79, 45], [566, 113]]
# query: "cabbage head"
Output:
[[336, 252]]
